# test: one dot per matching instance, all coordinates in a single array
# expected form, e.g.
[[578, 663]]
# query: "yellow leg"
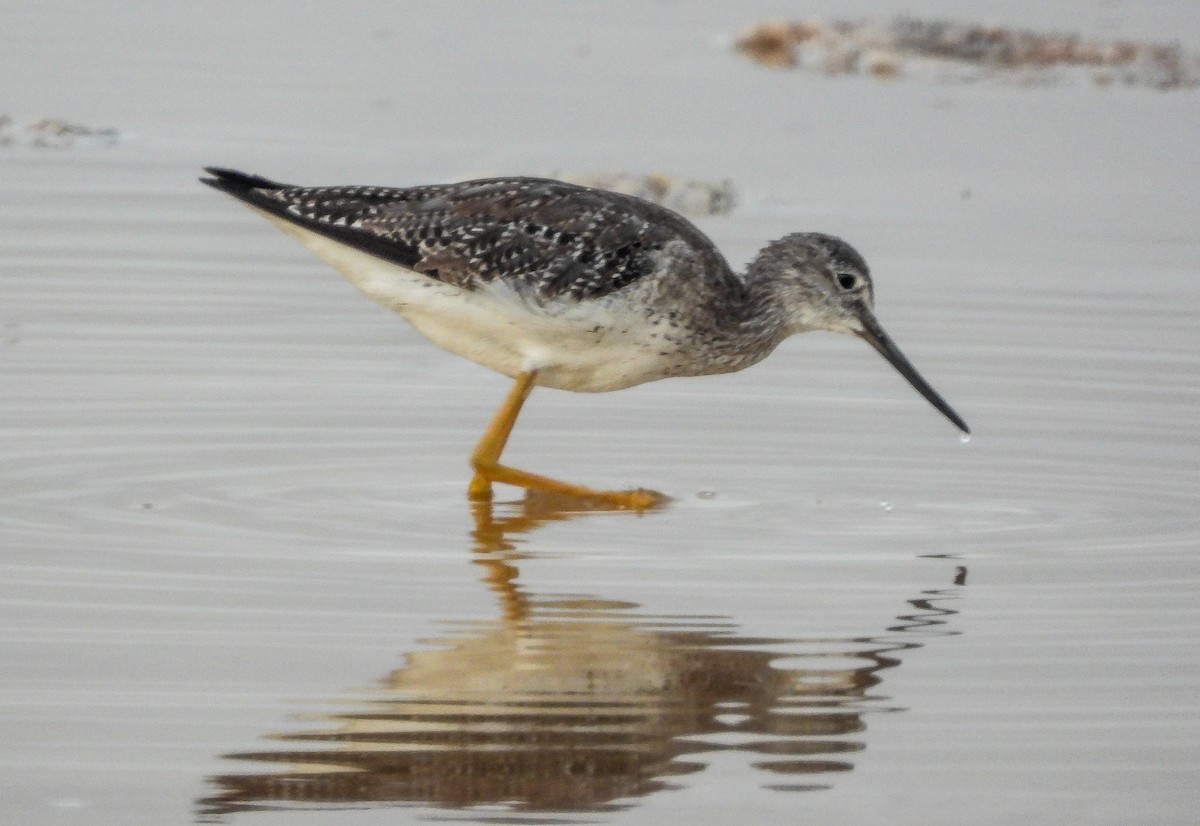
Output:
[[487, 453], [486, 461]]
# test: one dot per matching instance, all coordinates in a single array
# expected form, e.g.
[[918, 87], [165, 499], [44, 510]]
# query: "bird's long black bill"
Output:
[[874, 335]]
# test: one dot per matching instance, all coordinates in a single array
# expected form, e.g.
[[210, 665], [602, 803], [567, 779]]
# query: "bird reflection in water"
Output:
[[580, 704]]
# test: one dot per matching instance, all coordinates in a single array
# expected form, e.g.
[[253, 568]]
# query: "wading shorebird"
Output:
[[571, 287]]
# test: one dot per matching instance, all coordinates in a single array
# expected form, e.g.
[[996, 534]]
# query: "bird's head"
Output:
[[823, 283]]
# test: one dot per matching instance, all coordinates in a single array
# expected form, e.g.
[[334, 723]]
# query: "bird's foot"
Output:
[[480, 489]]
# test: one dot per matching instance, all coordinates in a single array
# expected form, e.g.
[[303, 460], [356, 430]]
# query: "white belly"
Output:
[[581, 347]]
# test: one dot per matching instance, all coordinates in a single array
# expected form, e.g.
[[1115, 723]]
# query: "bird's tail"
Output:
[[237, 183]]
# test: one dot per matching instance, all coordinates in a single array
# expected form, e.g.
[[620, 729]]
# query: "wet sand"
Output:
[[240, 581]]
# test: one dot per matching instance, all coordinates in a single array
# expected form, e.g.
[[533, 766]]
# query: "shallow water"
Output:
[[240, 581], [580, 704]]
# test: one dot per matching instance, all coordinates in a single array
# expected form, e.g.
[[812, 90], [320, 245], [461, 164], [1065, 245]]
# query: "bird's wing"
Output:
[[548, 240]]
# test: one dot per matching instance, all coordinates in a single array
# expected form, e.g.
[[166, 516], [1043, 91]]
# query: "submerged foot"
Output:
[[480, 489]]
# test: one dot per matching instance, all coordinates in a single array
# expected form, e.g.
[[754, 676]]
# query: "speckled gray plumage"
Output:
[[587, 290], [550, 240], [650, 278]]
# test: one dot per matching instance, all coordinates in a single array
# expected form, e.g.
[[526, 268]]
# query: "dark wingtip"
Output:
[[234, 182]]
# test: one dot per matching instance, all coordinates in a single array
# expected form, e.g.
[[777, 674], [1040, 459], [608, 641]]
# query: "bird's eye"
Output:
[[847, 280]]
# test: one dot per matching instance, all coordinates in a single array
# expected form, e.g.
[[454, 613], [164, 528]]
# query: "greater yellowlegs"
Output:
[[570, 287]]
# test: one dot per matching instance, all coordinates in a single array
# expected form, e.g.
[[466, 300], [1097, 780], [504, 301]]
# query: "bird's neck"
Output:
[[780, 303], [763, 310], [748, 324]]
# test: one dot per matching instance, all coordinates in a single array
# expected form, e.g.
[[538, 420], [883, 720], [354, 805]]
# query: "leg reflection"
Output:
[[580, 704]]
